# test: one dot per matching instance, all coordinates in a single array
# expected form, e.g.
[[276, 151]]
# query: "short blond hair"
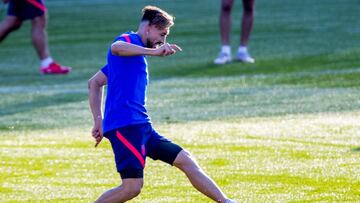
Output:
[[158, 17]]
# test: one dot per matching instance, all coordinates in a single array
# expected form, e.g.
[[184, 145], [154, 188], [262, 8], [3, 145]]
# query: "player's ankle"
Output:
[[242, 49], [46, 62], [226, 49]]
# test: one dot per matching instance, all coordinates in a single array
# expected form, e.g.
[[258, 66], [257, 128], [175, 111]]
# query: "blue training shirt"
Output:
[[127, 78]]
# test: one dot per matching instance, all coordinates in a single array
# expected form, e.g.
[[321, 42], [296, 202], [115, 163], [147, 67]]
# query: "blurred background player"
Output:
[[225, 27], [34, 10]]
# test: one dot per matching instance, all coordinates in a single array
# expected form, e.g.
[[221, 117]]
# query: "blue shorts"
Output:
[[132, 144], [26, 9]]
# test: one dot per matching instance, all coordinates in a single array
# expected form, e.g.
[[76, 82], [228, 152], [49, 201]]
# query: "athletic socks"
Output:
[[46, 62], [226, 49]]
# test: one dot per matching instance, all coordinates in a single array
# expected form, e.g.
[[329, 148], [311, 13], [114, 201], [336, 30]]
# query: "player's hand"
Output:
[[166, 49], [96, 132]]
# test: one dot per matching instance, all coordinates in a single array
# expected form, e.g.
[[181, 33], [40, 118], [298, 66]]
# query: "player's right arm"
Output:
[[95, 87], [121, 48]]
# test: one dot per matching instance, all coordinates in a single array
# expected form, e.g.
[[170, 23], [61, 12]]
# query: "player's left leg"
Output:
[[39, 36], [40, 42], [246, 27], [160, 148], [198, 178], [247, 21]]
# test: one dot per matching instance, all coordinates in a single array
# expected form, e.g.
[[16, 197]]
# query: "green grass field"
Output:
[[285, 129]]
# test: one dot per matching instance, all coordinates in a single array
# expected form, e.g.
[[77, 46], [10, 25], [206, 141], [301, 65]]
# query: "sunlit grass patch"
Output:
[[288, 158]]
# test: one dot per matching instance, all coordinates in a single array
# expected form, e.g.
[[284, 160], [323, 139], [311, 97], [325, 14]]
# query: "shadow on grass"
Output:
[[42, 101], [357, 149], [26, 77]]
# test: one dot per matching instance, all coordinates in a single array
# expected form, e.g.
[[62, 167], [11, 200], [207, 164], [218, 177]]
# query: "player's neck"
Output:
[[141, 31]]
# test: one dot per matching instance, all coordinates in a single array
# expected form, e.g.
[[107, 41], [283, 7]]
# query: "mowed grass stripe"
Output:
[[177, 100]]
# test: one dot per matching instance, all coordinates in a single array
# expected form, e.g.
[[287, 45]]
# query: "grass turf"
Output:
[[281, 130], [273, 159]]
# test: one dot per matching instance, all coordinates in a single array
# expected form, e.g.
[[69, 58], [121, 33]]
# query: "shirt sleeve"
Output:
[[105, 70], [124, 38]]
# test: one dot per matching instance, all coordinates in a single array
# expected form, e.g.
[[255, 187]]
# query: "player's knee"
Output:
[[185, 159], [39, 22], [133, 189], [248, 9], [226, 6]]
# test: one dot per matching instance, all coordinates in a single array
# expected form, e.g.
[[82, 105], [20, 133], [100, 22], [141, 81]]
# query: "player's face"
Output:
[[156, 36]]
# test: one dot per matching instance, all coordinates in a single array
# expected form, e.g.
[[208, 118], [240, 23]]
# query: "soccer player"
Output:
[[225, 27], [18, 12], [126, 123]]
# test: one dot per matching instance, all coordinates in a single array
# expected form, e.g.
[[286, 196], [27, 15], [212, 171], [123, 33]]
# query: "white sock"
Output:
[[242, 49], [226, 49], [46, 62]]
